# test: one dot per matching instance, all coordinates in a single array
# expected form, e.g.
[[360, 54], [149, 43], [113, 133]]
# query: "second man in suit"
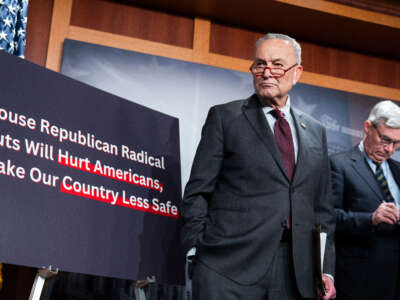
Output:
[[366, 185]]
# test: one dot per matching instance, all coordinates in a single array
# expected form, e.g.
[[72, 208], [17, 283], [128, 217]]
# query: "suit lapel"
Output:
[[395, 171], [302, 140], [364, 171], [255, 115]]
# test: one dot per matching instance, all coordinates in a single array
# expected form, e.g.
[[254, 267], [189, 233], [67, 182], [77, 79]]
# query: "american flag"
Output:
[[13, 19]]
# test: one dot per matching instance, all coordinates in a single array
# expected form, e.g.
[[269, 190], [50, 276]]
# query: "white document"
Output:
[[322, 237]]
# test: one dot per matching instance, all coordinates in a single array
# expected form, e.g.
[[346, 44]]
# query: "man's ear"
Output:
[[367, 126], [297, 74]]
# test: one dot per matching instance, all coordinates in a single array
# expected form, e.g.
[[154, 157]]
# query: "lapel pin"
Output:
[[303, 125]]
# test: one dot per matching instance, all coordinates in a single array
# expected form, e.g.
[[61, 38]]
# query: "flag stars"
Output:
[[3, 36], [13, 20], [7, 22], [11, 9], [21, 32]]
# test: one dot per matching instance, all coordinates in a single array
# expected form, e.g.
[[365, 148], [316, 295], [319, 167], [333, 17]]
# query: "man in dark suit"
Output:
[[365, 184], [259, 185]]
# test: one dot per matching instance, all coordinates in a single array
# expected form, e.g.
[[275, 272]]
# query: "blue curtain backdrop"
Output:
[[13, 19]]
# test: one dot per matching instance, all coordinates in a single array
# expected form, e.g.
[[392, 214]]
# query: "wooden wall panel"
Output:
[[133, 22], [317, 21], [59, 30], [145, 30], [232, 41], [38, 30], [18, 282], [239, 43], [350, 65]]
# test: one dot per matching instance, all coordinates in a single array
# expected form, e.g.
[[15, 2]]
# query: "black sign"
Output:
[[90, 183]]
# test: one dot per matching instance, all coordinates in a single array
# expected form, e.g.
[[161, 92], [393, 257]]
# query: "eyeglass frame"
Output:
[[271, 70], [386, 141]]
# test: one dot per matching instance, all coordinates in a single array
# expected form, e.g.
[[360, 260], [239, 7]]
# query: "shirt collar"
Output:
[[285, 109], [361, 147], [369, 160], [362, 150]]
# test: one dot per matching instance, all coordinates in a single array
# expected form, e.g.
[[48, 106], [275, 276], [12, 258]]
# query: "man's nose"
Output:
[[389, 147], [267, 72]]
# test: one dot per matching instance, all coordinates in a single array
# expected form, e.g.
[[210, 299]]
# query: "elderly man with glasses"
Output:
[[366, 192], [259, 185]]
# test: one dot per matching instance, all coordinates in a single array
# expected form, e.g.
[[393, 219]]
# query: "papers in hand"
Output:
[[322, 238], [319, 253]]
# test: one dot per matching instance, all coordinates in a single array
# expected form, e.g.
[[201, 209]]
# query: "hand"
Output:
[[385, 213], [329, 288]]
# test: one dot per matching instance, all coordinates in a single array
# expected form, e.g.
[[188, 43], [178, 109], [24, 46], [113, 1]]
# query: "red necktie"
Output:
[[284, 140]]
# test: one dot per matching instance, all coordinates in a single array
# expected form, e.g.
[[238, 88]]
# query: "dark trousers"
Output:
[[277, 284]]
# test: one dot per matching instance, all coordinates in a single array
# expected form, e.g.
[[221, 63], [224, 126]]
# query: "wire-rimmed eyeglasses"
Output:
[[386, 141]]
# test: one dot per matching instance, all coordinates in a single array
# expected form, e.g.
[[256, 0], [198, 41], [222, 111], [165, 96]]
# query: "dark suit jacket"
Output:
[[238, 196], [367, 257]]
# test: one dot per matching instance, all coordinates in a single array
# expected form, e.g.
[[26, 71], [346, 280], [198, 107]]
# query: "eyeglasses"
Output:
[[258, 69], [386, 141]]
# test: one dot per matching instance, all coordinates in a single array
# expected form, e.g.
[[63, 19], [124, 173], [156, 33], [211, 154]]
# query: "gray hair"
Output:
[[295, 45], [385, 112]]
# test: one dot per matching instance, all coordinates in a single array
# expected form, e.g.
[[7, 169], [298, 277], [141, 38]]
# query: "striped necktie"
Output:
[[380, 177]]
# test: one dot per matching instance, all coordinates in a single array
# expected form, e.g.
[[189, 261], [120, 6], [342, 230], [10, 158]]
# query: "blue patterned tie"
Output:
[[380, 177]]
